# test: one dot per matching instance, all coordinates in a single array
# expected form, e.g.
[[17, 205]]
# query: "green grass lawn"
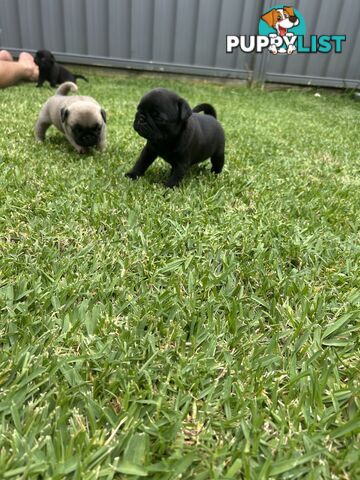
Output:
[[207, 332]]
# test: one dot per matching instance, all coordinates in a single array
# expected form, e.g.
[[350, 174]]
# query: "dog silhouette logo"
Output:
[[282, 30], [283, 25]]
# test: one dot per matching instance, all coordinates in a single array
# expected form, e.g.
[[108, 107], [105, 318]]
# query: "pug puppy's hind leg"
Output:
[[80, 149], [41, 80], [40, 130], [102, 146], [217, 161], [53, 79], [102, 143], [147, 157]]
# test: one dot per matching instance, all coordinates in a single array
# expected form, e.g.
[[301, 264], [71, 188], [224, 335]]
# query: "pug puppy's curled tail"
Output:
[[206, 108], [82, 78], [66, 87]]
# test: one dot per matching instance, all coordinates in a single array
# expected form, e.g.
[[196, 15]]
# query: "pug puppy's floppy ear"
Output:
[[184, 109], [64, 113], [103, 114]]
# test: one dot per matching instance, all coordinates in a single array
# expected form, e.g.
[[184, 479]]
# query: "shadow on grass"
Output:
[[60, 144], [158, 175]]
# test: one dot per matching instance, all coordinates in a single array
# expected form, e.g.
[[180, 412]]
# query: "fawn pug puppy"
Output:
[[80, 118]]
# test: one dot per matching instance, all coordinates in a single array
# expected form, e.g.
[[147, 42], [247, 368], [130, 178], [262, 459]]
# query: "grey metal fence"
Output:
[[186, 36]]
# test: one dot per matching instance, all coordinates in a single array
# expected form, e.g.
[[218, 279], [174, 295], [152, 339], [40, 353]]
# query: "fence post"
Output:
[[261, 60]]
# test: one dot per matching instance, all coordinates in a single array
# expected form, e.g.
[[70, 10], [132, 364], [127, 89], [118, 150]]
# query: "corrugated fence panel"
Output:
[[353, 65], [10, 24], [348, 63], [30, 23], [97, 27], [119, 28], [142, 29], [181, 36], [324, 24], [187, 12], [229, 24], [249, 21], [279, 63], [323, 17], [207, 30], [164, 26], [75, 27], [52, 20]]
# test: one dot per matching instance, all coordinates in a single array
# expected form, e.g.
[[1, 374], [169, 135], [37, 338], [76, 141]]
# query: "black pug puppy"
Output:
[[51, 71], [176, 133]]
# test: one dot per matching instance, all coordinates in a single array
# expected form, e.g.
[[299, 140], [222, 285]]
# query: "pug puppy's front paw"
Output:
[[81, 150], [132, 175], [171, 183], [102, 147]]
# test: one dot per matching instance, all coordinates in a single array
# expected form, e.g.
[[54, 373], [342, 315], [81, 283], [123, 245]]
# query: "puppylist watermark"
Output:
[[282, 30]]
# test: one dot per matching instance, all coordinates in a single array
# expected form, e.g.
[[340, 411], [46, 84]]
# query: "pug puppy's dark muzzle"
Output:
[[87, 140], [86, 137], [143, 127]]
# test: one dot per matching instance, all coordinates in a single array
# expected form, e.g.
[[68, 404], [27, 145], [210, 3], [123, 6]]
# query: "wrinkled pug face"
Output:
[[44, 59], [84, 122], [161, 115]]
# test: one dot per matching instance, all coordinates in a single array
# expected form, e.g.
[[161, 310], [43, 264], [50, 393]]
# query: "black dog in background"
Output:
[[176, 133], [51, 71]]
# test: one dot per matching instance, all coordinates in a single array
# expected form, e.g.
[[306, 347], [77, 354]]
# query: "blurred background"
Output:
[[182, 36]]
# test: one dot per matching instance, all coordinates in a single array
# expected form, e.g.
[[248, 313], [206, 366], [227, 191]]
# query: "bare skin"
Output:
[[12, 72]]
